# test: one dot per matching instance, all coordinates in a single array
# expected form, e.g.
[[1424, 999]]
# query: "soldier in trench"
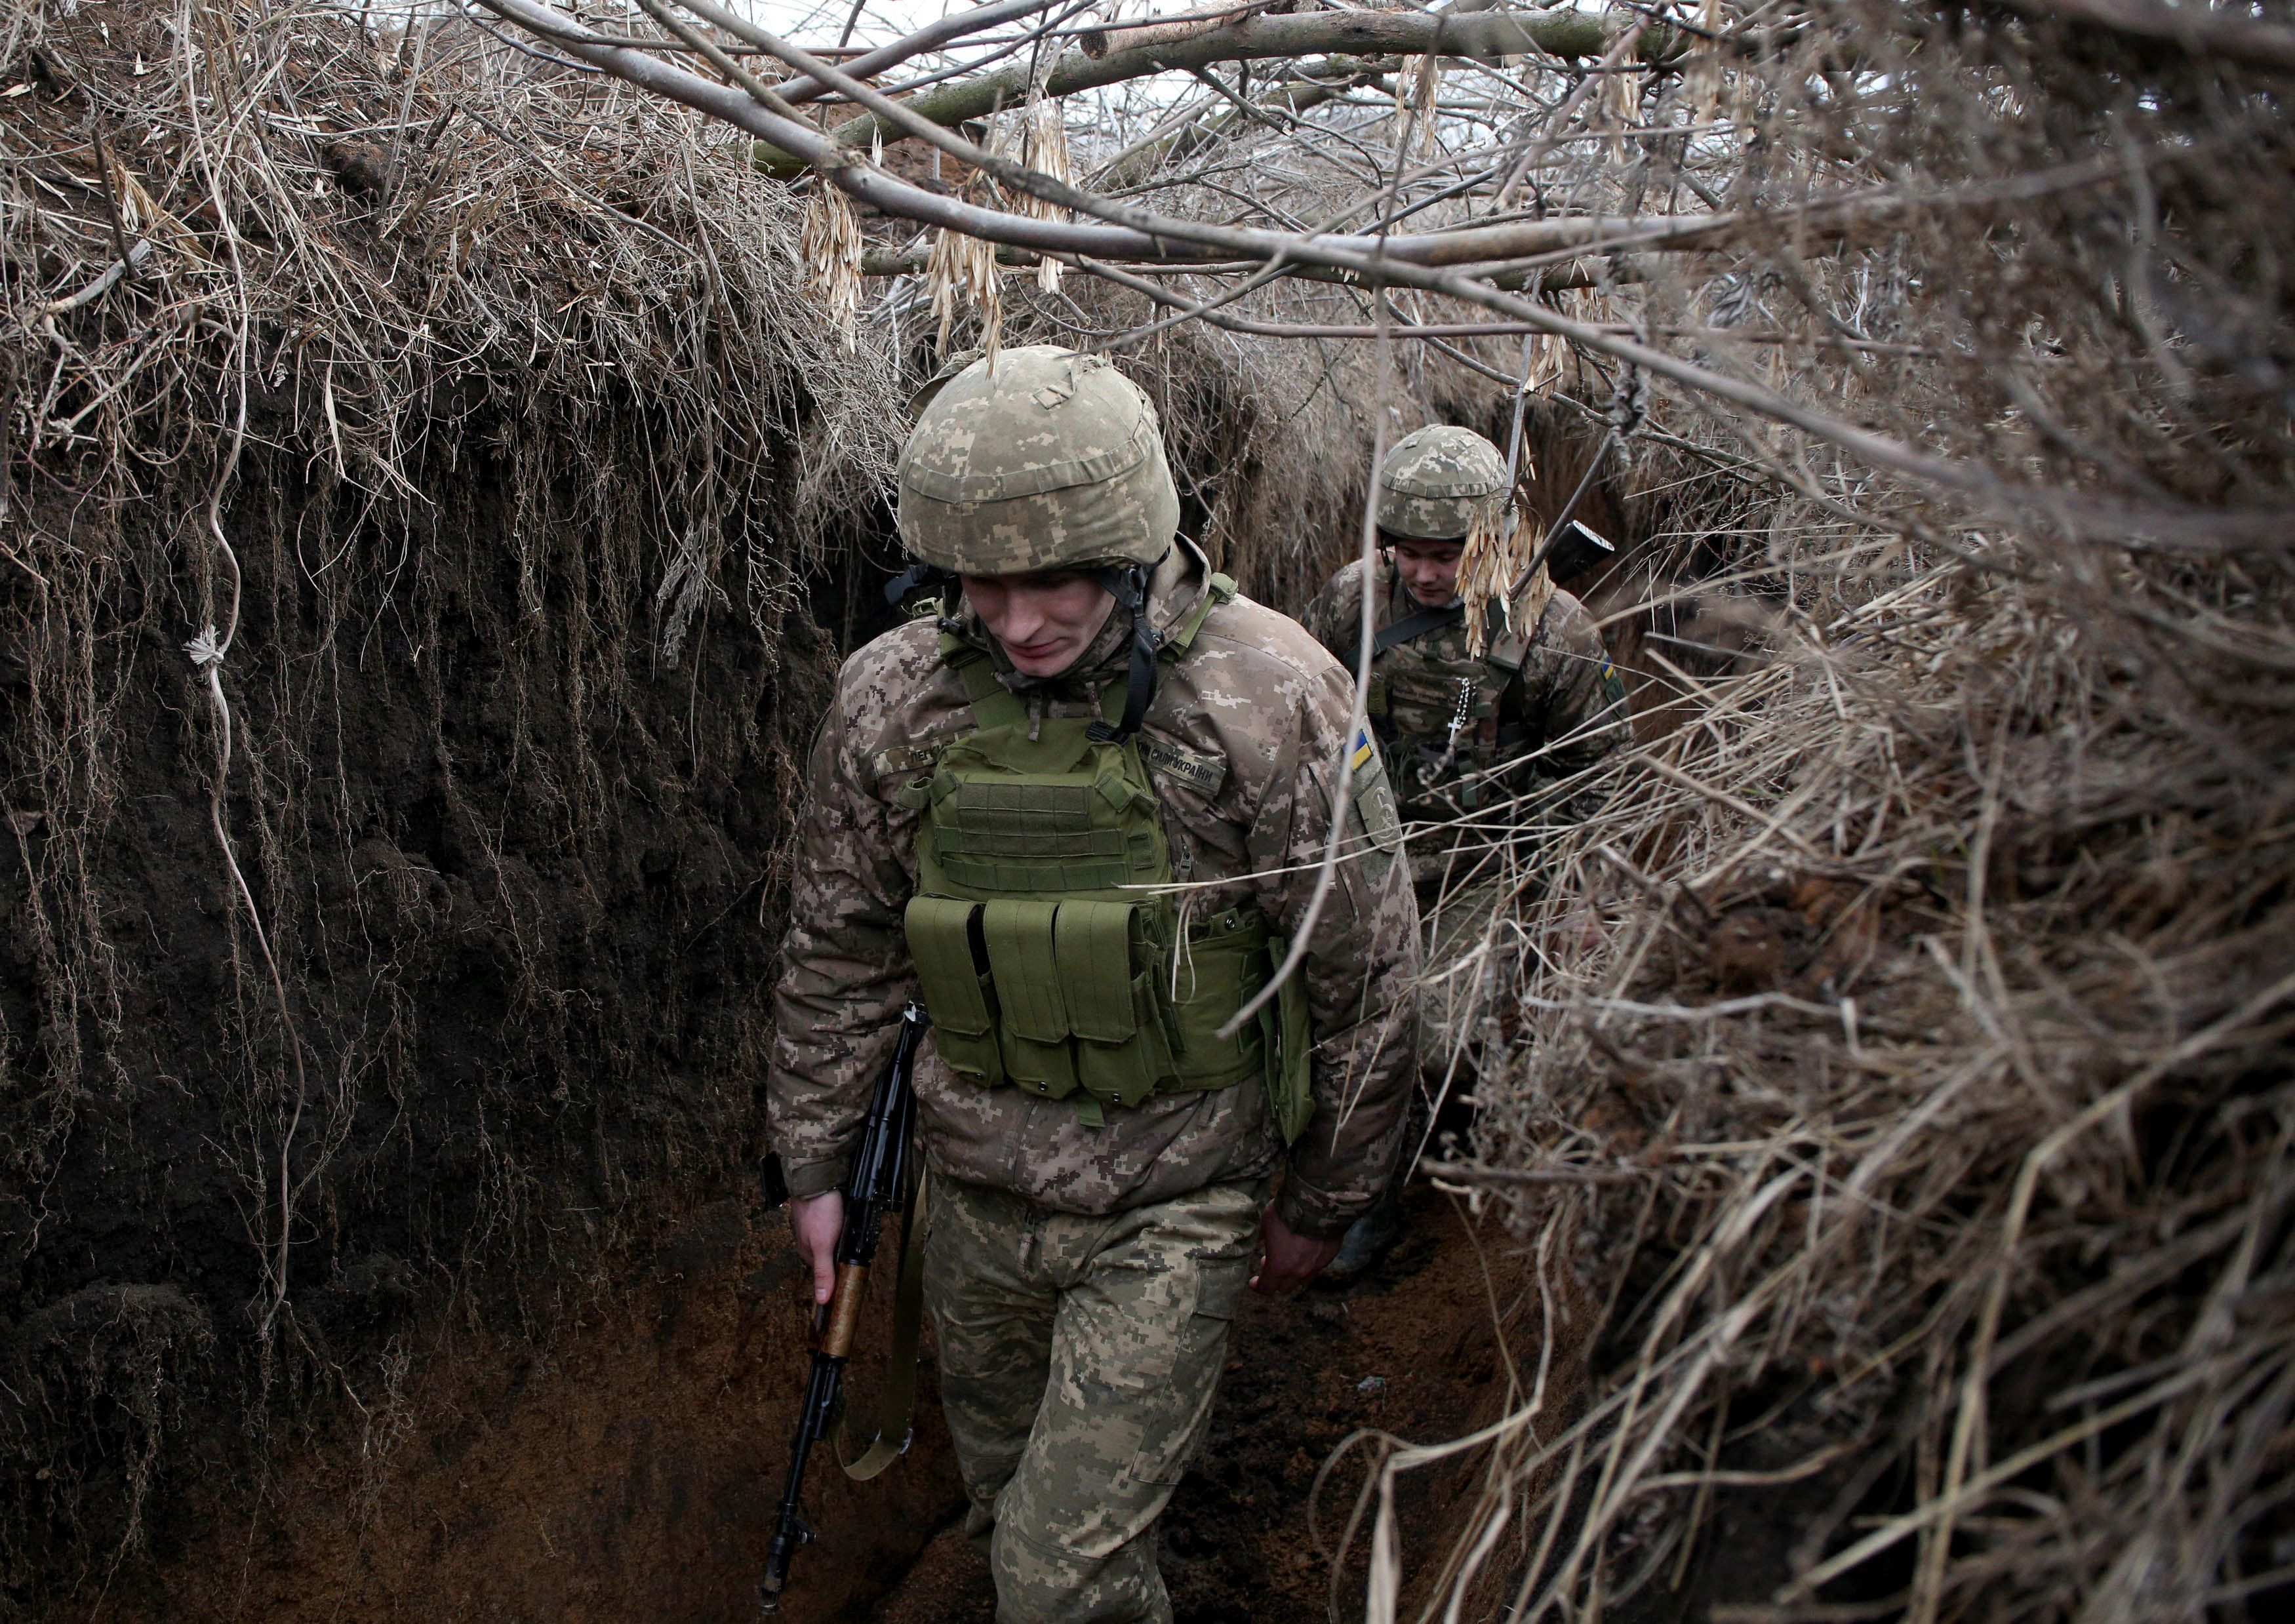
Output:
[[1081, 809], [1471, 741]]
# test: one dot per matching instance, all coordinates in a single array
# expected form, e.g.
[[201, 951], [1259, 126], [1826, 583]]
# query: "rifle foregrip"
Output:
[[845, 1310]]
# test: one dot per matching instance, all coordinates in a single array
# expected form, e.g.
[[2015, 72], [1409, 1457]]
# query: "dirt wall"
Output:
[[518, 872]]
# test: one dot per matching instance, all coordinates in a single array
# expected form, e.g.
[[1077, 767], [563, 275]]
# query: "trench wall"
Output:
[[519, 874]]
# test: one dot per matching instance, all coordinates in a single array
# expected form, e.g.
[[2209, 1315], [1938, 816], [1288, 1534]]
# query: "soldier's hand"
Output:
[[818, 1220], [1287, 1260]]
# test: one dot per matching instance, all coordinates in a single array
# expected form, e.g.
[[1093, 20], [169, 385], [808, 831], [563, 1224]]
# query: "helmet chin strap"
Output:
[[1128, 586]]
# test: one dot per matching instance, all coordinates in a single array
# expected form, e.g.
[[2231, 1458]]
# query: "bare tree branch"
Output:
[[1484, 37]]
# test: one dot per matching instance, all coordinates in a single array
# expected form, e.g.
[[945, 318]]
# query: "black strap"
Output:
[[917, 575], [1130, 588], [1408, 629]]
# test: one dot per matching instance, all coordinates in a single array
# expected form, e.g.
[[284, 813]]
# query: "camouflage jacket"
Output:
[[1563, 712], [1241, 743]]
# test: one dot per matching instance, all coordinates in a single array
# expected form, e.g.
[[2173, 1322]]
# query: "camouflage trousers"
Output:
[[1465, 937], [1078, 1358]]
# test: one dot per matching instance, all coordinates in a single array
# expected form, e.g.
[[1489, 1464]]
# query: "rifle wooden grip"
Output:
[[845, 1310]]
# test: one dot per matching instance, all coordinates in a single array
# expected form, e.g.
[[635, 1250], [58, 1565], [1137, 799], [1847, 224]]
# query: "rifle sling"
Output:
[[1406, 630], [897, 1404]]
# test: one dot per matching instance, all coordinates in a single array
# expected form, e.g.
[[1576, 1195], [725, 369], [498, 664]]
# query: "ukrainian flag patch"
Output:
[[1363, 751]]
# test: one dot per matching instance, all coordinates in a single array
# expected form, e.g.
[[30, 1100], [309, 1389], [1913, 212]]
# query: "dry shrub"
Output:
[[1908, 1033]]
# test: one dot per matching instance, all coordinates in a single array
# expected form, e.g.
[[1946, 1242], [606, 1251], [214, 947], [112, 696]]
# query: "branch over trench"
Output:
[[1422, 261]]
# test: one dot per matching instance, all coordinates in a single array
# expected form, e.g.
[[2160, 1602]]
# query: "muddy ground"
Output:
[[630, 1471]]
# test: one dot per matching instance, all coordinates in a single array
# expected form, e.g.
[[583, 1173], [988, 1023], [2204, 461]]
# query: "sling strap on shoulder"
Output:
[[1131, 589], [1410, 628], [1508, 655]]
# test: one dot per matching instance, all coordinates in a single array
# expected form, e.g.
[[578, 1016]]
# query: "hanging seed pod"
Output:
[[1414, 103], [1413, 97], [961, 271], [1703, 76], [1501, 543], [1046, 151], [1529, 605], [829, 239], [1546, 352]]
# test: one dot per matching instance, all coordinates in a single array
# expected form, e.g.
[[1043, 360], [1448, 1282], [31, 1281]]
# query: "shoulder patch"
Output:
[[1372, 806], [1201, 773]]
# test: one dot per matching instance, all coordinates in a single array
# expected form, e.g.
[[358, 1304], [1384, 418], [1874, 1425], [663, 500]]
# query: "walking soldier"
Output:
[[1542, 695], [1469, 738], [1081, 811]]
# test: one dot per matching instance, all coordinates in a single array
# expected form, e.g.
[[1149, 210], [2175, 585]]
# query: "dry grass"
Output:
[[1903, 1049]]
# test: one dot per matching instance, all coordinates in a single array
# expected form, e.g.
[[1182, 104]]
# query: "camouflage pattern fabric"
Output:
[[1078, 1359], [1565, 712], [1243, 746], [1050, 460], [1463, 938], [1438, 483]]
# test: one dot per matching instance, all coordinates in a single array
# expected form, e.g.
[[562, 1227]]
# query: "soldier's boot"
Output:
[[1368, 1239]]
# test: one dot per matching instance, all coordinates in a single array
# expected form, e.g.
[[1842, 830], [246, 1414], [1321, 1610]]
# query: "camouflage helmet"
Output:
[[1053, 461], [1438, 481]]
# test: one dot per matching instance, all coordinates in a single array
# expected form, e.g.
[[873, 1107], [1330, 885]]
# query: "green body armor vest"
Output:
[[1043, 963]]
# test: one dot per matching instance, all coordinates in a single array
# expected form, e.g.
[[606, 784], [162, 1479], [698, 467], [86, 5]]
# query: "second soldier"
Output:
[[1470, 738]]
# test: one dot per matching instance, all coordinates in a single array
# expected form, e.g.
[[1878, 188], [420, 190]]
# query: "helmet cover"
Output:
[[1050, 460], [1439, 483]]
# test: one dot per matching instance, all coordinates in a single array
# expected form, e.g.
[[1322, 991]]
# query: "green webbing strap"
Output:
[[1220, 589], [1092, 941], [1409, 629], [898, 1403], [993, 705]]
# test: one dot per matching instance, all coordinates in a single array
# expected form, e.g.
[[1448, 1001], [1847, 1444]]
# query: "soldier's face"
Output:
[[1043, 622], [1430, 569]]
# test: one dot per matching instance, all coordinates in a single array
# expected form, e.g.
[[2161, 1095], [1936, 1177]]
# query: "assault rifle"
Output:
[[876, 1185]]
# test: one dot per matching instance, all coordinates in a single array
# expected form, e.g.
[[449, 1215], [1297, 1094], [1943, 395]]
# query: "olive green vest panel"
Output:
[[1045, 961]]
